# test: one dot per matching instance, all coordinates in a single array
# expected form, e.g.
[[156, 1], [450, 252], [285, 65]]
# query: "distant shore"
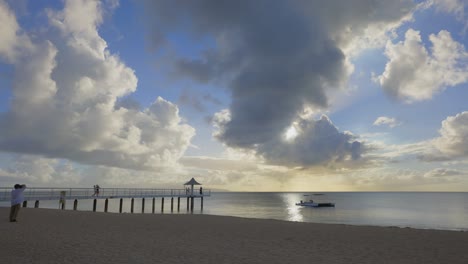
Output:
[[56, 236]]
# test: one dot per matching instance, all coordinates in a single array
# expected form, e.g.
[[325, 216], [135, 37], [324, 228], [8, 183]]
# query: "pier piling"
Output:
[[106, 204], [36, 204]]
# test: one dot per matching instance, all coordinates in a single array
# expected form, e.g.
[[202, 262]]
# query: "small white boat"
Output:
[[311, 203]]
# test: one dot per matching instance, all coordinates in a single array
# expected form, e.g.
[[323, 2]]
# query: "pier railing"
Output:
[[89, 193]]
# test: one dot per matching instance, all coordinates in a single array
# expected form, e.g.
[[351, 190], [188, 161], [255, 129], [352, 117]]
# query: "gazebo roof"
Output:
[[192, 182]]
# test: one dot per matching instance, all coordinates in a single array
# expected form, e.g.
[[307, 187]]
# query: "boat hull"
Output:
[[307, 204]]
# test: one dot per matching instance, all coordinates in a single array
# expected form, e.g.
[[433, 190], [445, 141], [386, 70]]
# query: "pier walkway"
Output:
[[34, 194], [63, 194]]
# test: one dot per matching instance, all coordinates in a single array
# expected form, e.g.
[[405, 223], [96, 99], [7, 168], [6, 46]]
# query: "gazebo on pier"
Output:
[[192, 182], [191, 195]]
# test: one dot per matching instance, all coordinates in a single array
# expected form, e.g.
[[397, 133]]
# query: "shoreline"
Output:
[[245, 217], [63, 236]]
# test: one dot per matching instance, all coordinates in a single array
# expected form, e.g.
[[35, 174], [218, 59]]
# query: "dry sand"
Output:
[[55, 236]]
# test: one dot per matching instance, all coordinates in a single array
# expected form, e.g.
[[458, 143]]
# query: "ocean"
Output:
[[424, 210]]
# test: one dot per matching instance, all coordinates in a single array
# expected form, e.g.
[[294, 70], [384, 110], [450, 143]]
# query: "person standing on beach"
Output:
[[17, 198]]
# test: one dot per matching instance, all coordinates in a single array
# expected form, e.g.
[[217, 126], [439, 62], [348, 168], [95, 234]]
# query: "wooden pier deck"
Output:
[[76, 194]]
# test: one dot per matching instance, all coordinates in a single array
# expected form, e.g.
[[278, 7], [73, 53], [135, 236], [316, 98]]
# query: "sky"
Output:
[[264, 95]]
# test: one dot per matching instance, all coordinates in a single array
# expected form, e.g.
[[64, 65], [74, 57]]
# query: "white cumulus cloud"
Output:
[[414, 73], [12, 38], [453, 140], [386, 121], [65, 96]]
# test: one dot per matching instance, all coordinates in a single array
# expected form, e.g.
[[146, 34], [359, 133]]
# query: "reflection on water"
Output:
[[294, 211]]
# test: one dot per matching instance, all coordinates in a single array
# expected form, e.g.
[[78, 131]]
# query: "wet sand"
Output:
[[56, 236]]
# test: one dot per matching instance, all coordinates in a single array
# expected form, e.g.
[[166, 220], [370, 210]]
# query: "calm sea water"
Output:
[[448, 211], [432, 210]]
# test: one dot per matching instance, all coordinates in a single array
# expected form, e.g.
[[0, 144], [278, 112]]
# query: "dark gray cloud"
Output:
[[318, 141], [276, 57], [197, 101]]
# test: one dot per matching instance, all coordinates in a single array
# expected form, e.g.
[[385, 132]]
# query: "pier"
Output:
[[75, 194]]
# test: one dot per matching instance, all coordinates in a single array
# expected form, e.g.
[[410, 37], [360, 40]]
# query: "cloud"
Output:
[[442, 173], [397, 179], [13, 39], [197, 101], [451, 6], [453, 140], [414, 74], [210, 163], [451, 145], [314, 142], [456, 7], [65, 99], [7, 31], [386, 121], [39, 171], [277, 58]]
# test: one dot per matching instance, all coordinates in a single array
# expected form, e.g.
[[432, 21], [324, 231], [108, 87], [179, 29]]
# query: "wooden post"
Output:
[[162, 204], [178, 204], [131, 206], [25, 204], [154, 201], [36, 204], [121, 205], [201, 203], [172, 204], [94, 205], [62, 205], [191, 206], [106, 203], [188, 203], [142, 205], [75, 204]]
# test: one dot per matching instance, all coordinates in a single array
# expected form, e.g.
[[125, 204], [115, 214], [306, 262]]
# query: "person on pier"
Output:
[[17, 198], [96, 190]]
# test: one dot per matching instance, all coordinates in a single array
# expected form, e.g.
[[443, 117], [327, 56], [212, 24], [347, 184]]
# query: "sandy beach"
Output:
[[55, 236]]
